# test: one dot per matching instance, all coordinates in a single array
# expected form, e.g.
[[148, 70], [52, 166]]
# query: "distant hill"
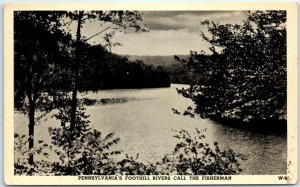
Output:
[[156, 60]]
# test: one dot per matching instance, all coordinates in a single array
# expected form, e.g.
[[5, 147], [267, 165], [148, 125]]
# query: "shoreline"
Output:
[[269, 126]]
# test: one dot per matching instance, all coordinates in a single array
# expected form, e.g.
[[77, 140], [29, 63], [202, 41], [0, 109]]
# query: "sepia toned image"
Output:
[[151, 96]]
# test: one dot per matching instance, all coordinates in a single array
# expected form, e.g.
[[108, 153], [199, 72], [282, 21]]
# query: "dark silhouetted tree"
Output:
[[245, 77], [114, 20], [37, 53]]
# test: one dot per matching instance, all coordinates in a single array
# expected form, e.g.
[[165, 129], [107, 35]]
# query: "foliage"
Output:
[[37, 52], [245, 78], [42, 151], [91, 154], [132, 166], [88, 155], [192, 156], [60, 135], [86, 151]]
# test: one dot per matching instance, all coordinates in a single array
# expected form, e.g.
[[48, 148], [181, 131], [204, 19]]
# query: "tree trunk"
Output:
[[31, 111], [31, 130], [76, 75]]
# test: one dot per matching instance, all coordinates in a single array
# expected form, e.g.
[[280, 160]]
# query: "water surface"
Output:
[[144, 120]]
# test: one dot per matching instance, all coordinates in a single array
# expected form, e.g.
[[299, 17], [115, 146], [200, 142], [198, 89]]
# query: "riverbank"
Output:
[[270, 126]]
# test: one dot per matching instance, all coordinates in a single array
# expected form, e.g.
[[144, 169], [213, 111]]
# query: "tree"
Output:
[[115, 20], [246, 76], [36, 56]]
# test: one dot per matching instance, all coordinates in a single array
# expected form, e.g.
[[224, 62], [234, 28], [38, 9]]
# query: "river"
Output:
[[144, 120]]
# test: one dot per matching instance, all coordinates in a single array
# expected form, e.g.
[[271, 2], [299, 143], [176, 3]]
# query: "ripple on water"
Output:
[[145, 120]]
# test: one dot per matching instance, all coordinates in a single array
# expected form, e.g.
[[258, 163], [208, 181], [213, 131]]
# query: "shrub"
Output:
[[192, 156], [91, 154]]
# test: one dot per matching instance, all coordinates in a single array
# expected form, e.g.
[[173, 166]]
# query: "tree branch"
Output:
[[98, 33]]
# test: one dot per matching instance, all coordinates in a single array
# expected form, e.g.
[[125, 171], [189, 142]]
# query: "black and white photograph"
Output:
[[151, 95]]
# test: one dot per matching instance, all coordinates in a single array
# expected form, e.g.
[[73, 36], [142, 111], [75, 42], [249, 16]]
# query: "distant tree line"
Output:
[[178, 72], [104, 70]]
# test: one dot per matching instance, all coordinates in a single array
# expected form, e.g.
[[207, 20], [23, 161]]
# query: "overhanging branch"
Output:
[[109, 27]]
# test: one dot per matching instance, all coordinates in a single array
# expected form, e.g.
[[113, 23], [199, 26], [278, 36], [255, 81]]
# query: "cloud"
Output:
[[172, 32], [160, 42], [189, 20]]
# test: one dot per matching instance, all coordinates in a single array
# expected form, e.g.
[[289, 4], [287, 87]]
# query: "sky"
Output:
[[170, 32]]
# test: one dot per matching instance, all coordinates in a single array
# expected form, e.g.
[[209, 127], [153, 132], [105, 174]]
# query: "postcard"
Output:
[[156, 93]]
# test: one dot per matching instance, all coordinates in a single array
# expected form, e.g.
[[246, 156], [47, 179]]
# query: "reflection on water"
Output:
[[146, 120]]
